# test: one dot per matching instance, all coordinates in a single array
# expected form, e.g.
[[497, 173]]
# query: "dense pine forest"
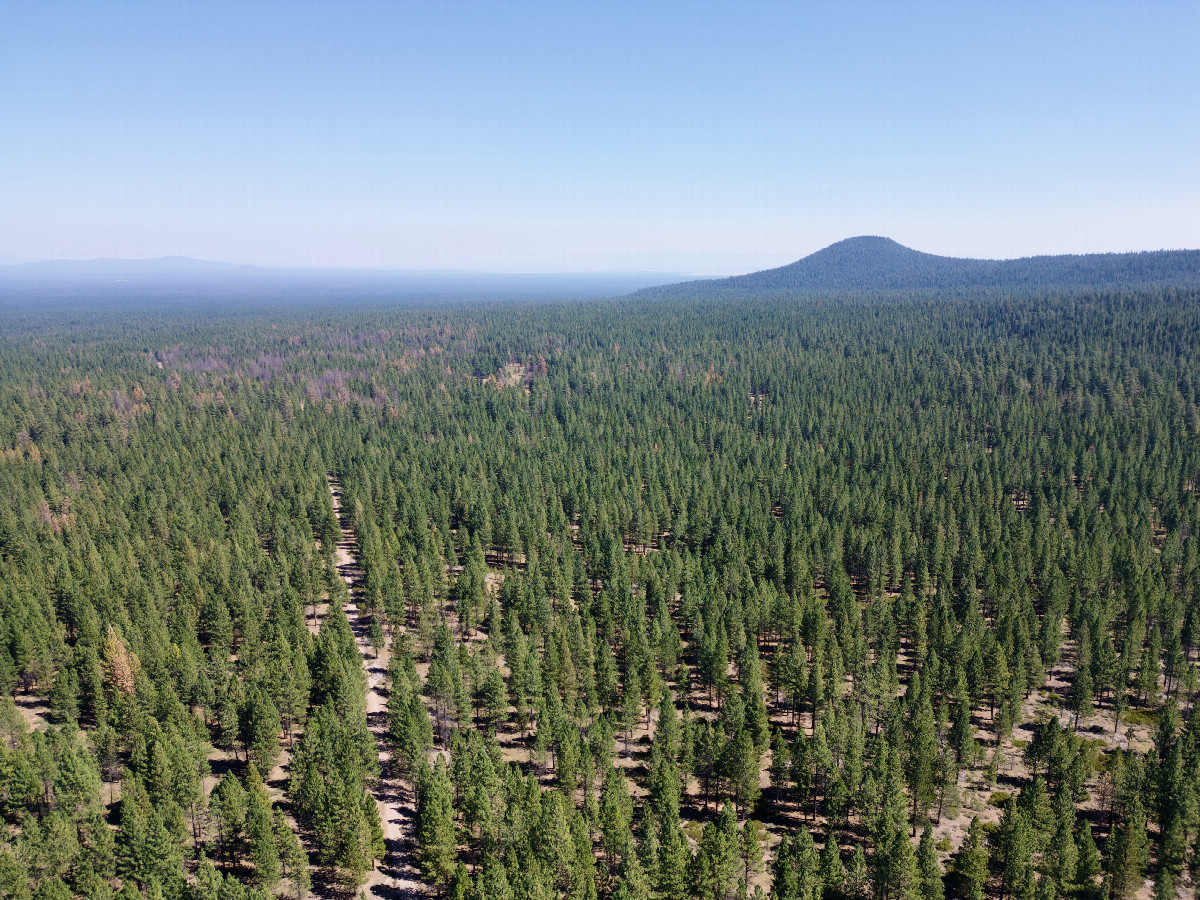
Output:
[[837, 598]]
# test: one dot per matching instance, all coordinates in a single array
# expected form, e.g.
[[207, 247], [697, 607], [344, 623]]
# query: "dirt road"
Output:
[[395, 877]]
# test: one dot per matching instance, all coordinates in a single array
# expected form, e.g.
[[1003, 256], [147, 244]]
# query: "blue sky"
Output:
[[707, 138]]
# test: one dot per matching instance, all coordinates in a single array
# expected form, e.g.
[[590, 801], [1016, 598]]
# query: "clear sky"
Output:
[[708, 138]]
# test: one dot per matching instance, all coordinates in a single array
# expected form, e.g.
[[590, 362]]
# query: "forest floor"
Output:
[[34, 710], [396, 876]]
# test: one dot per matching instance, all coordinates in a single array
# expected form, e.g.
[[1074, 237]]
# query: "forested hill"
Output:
[[878, 264]]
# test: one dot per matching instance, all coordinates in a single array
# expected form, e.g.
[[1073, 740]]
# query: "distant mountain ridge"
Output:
[[872, 264]]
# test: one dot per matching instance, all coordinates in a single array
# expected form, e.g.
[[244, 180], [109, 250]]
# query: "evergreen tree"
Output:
[[632, 883], [1015, 849], [741, 766], [292, 857], [1129, 855], [1088, 866], [673, 879], [262, 847], [931, 869], [1081, 687], [616, 811], [259, 730], [751, 845], [973, 863], [228, 806], [857, 874], [893, 864], [1061, 854], [434, 826], [833, 873], [717, 859]]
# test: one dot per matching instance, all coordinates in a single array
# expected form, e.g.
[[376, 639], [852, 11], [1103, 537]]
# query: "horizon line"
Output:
[[230, 268]]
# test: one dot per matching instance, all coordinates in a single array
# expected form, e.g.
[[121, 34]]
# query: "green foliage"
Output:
[[717, 858], [330, 770], [972, 864], [860, 533], [931, 870], [435, 825]]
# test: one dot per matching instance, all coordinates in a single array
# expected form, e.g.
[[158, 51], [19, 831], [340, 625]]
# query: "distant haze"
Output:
[[865, 264], [692, 137], [183, 278]]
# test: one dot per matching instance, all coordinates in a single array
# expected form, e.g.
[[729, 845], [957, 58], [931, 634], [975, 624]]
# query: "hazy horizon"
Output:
[[227, 267], [547, 138]]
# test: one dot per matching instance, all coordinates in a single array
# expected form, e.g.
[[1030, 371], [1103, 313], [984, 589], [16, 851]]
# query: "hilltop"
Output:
[[878, 264]]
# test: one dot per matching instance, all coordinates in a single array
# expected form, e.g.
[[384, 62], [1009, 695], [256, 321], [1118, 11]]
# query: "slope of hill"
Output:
[[878, 264]]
